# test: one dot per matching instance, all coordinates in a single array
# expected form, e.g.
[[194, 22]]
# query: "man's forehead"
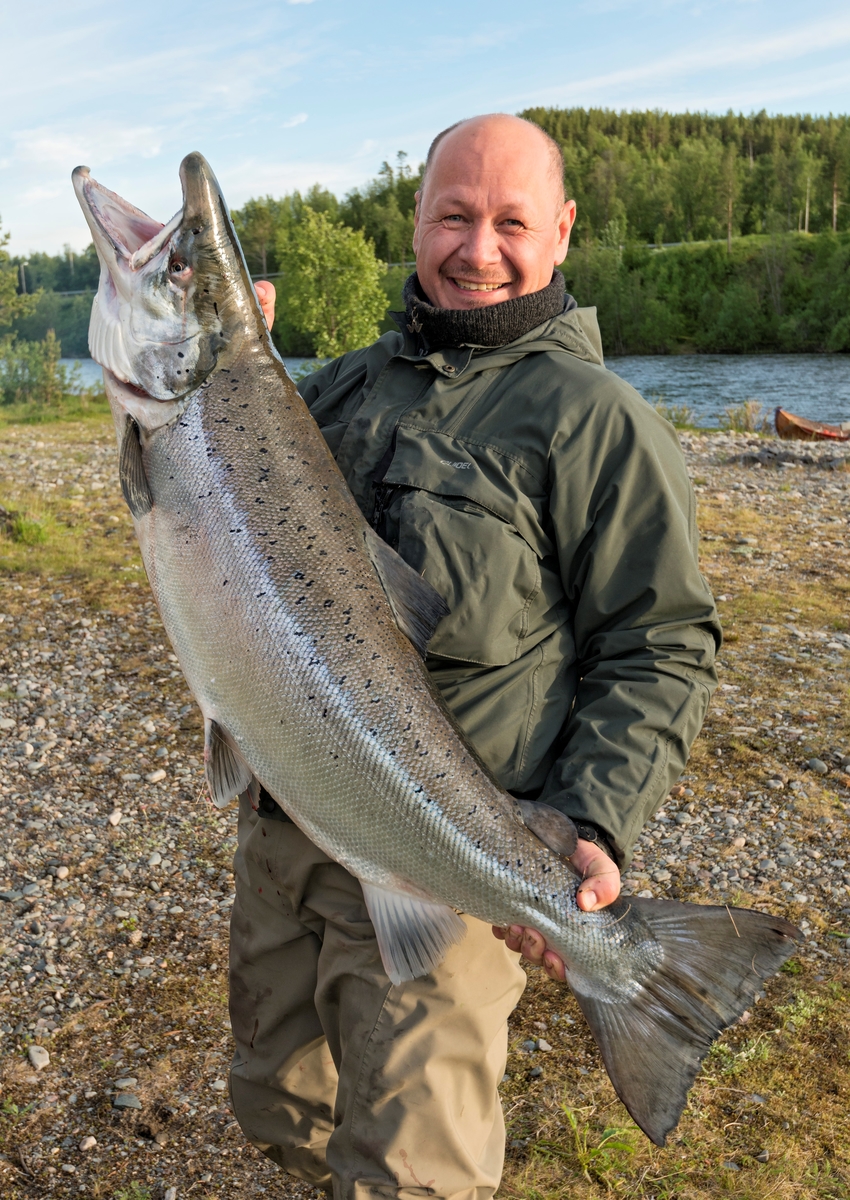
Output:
[[452, 190]]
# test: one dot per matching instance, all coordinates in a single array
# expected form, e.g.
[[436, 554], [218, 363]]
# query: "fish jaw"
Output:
[[174, 300]]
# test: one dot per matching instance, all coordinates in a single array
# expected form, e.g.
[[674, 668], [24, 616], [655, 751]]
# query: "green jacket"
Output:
[[550, 506]]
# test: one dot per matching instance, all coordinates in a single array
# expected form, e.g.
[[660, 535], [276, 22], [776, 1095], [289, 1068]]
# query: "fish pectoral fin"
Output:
[[712, 962], [552, 827], [417, 607], [131, 471], [413, 935], [227, 772]]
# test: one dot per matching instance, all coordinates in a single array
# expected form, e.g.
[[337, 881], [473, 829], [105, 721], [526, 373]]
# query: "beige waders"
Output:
[[340, 1077]]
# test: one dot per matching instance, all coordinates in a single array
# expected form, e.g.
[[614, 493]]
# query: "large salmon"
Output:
[[301, 635]]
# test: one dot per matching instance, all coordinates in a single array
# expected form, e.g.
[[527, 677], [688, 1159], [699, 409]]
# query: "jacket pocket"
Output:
[[446, 507]]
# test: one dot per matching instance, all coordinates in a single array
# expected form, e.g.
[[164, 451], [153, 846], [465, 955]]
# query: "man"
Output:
[[550, 506]]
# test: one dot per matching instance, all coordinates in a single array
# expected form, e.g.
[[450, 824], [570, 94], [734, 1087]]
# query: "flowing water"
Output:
[[812, 385], [816, 386]]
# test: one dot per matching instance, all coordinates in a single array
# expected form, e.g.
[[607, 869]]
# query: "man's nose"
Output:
[[481, 246]]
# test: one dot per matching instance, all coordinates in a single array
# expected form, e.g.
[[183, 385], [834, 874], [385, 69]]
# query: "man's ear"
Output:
[[566, 220]]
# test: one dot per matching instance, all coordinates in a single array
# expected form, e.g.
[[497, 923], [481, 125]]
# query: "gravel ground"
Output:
[[115, 883]]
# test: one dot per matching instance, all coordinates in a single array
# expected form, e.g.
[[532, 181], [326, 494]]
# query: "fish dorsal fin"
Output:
[[552, 827], [131, 471], [413, 934], [417, 607], [227, 773]]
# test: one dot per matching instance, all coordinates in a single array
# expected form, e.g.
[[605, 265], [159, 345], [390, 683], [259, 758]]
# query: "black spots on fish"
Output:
[[264, 450], [260, 595], [349, 637], [328, 604], [298, 575], [368, 683], [342, 679], [215, 307], [417, 744], [243, 405], [224, 584], [259, 500], [236, 530], [375, 655], [324, 712], [473, 811], [301, 600], [300, 528]]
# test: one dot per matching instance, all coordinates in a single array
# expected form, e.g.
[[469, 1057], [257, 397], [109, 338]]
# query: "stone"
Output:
[[818, 766], [155, 859], [39, 1057], [530, 1045], [170, 1194], [88, 1143], [126, 1100], [542, 1044], [62, 872], [114, 817], [218, 1085], [7, 723], [155, 776], [535, 1072], [125, 1084], [763, 1156]]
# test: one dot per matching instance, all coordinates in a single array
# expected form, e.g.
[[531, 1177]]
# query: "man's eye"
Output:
[[512, 221], [455, 218]]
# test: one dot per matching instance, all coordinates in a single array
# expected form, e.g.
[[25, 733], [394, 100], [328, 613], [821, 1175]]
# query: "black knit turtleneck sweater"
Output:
[[492, 325]]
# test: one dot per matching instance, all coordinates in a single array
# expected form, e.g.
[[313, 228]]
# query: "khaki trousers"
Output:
[[344, 1080]]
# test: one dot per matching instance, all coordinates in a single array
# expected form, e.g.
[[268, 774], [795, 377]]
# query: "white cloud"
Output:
[[298, 119], [299, 1], [793, 44], [48, 147]]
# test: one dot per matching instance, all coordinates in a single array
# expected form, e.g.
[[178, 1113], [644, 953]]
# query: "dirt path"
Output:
[[115, 885]]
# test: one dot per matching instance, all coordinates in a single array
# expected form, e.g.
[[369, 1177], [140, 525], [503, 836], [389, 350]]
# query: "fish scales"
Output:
[[292, 581], [300, 635]]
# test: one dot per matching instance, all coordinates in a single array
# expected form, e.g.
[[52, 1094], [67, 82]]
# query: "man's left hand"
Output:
[[600, 887]]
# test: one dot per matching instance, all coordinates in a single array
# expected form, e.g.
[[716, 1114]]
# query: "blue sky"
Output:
[[279, 95]]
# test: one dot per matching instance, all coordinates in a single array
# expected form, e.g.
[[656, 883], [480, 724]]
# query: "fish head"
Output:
[[173, 299]]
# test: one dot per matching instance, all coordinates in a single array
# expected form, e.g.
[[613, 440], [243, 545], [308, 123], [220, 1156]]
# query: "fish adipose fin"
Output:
[[552, 827], [417, 607], [714, 961], [227, 773], [131, 471], [413, 935]]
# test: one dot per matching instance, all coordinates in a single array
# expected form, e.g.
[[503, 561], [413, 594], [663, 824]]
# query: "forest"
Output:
[[694, 232]]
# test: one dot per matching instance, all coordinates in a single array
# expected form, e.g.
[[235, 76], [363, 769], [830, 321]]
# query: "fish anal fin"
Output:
[[552, 827], [131, 471], [417, 607], [227, 772], [710, 962], [413, 934]]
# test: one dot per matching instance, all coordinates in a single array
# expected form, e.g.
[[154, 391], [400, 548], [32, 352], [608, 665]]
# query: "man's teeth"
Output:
[[478, 287]]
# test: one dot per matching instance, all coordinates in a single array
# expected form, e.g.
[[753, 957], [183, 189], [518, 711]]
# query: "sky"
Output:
[[286, 93]]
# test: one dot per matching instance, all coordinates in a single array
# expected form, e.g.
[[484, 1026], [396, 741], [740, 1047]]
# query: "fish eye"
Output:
[[177, 266]]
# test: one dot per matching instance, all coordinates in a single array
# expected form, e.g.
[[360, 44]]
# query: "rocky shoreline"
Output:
[[115, 882]]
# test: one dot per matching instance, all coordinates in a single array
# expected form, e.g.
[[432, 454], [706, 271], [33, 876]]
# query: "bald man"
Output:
[[550, 506]]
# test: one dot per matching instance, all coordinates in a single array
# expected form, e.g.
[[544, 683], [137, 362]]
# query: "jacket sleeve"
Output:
[[646, 627]]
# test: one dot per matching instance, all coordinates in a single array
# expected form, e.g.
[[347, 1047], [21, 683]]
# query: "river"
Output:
[[812, 385]]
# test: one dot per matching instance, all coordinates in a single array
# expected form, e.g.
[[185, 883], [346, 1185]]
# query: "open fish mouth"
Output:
[[155, 325], [133, 236]]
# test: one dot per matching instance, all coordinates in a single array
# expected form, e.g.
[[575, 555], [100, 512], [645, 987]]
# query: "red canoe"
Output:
[[790, 426]]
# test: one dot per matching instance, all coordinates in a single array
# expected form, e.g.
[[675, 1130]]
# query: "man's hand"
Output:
[[600, 887], [266, 296]]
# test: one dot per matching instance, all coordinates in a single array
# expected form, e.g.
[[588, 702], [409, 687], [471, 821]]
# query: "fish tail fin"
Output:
[[711, 962]]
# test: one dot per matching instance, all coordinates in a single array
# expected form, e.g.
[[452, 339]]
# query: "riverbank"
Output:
[[115, 884]]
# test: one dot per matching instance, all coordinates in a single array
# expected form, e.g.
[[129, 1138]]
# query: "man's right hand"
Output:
[[266, 296]]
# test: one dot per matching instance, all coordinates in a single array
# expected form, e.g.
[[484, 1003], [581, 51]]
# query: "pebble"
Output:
[[126, 1100], [62, 872], [88, 1143], [542, 1044], [170, 1194], [155, 776], [818, 766], [115, 817], [39, 1057]]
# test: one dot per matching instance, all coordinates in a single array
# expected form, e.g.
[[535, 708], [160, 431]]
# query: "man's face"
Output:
[[489, 223]]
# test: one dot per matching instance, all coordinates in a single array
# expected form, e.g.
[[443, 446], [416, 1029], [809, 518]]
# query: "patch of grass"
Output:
[[747, 417], [134, 1192], [680, 416]]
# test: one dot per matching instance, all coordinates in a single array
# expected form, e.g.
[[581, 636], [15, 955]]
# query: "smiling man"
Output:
[[549, 505]]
